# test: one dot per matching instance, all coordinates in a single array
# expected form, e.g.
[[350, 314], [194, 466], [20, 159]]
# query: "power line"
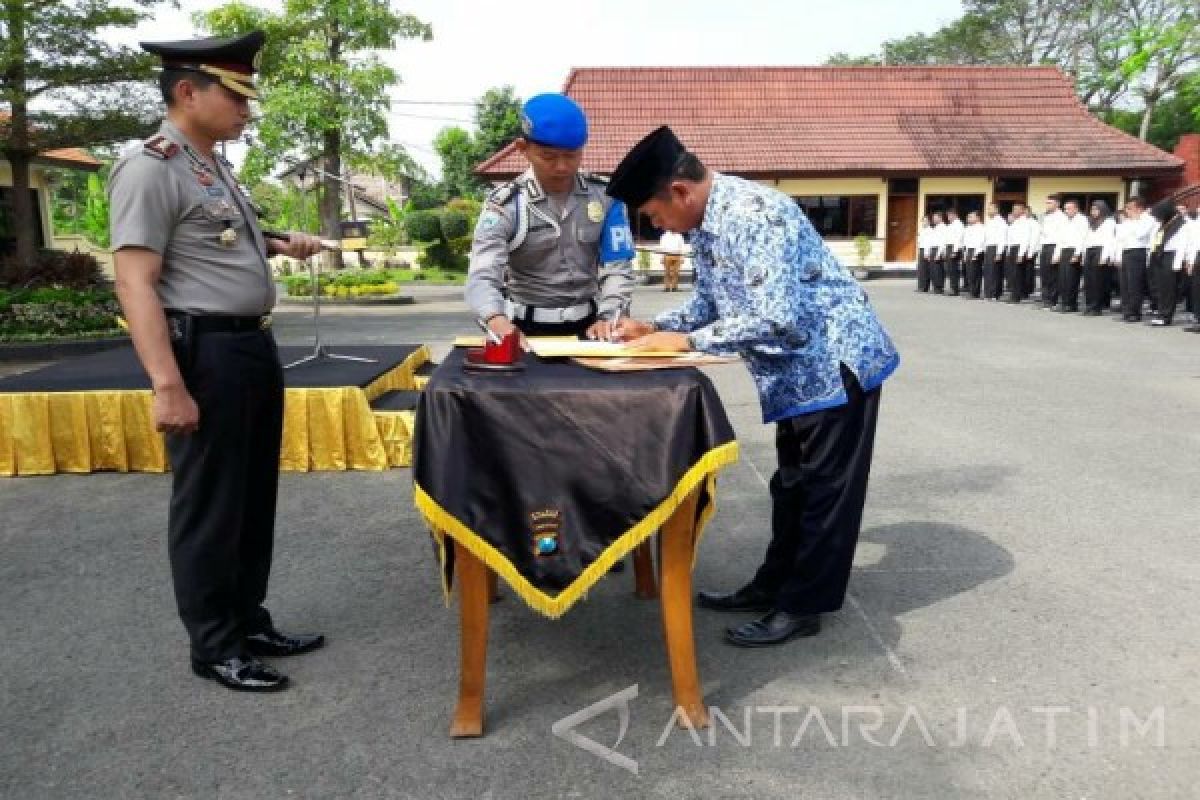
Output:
[[470, 103]]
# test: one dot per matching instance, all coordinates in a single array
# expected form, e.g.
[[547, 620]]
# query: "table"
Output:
[[547, 477]]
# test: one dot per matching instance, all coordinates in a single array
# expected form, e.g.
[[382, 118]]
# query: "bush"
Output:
[[57, 311], [455, 224], [423, 226], [52, 268]]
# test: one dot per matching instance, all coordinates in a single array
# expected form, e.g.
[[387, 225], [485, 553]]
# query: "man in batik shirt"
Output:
[[768, 289]]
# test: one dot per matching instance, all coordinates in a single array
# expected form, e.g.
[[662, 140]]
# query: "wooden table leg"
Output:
[[493, 589], [675, 563], [644, 583], [471, 576]]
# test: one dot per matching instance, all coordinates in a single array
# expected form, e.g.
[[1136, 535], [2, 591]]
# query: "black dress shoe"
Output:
[[242, 674], [272, 643], [747, 598], [776, 627]]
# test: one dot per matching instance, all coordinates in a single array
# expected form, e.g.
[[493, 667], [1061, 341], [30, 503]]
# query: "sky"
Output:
[[479, 45]]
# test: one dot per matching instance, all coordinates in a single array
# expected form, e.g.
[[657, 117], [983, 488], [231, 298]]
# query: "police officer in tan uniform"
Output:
[[552, 251], [196, 289]]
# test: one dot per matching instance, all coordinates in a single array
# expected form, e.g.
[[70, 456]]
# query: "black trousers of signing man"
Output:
[[817, 496], [1069, 275], [1133, 282], [993, 272], [1096, 291], [973, 266], [1012, 273], [221, 524], [1049, 272]]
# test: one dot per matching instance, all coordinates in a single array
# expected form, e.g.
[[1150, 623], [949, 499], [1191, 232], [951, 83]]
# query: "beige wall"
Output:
[[844, 248], [1040, 187]]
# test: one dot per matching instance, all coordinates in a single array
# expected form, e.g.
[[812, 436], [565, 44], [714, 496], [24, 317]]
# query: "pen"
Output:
[[612, 330], [491, 333]]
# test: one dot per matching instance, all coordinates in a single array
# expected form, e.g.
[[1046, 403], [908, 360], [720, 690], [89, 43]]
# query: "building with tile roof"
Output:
[[866, 149]]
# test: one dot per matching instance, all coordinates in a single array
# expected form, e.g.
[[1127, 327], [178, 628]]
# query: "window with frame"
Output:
[[842, 216], [962, 203]]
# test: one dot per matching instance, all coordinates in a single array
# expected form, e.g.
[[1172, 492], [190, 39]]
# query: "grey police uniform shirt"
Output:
[[556, 262], [178, 204]]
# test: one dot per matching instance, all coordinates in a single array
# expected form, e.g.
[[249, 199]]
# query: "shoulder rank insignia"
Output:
[[160, 147], [502, 194]]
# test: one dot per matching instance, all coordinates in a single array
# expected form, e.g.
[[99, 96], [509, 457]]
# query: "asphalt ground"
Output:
[[1022, 619]]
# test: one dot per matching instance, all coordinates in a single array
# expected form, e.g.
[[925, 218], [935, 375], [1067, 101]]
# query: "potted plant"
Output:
[[862, 247]]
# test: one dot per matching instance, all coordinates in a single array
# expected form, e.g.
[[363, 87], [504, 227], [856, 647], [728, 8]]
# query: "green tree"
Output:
[[63, 85], [324, 84], [497, 121], [459, 155]]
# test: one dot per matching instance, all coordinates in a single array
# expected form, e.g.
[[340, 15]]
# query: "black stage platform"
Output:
[[118, 369]]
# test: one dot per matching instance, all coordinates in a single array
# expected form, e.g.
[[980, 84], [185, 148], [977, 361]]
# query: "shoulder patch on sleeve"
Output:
[[160, 147]]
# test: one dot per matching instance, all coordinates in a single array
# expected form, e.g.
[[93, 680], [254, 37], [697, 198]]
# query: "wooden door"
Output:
[[902, 228]]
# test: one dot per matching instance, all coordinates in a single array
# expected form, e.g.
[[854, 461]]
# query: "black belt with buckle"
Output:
[[224, 324]]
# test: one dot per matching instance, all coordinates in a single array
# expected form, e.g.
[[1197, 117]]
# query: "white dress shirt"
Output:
[[996, 233], [975, 237], [1051, 225], [1141, 232], [937, 240], [1180, 243], [1072, 233], [1103, 236], [954, 235]]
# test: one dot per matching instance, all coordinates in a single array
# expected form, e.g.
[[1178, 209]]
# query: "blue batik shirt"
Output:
[[768, 289]]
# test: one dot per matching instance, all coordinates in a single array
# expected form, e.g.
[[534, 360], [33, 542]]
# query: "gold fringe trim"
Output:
[[331, 428], [443, 524]]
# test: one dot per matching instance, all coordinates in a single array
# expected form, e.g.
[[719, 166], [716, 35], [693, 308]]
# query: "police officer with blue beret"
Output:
[[552, 253], [196, 288]]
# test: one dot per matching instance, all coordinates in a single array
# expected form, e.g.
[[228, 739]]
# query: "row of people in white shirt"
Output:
[[1098, 239]]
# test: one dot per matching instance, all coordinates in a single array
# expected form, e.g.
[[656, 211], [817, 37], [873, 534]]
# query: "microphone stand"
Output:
[[319, 351]]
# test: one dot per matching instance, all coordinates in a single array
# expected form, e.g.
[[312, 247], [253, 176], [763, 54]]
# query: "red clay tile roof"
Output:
[[815, 121], [70, 157]]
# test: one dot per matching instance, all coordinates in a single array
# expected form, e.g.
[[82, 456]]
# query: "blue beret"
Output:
[[554, 120]]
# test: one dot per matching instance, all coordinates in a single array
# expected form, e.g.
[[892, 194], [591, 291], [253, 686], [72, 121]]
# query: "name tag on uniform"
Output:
[[215, 191]]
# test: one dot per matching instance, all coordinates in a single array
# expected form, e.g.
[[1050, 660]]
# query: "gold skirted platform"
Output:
[[325, 428]]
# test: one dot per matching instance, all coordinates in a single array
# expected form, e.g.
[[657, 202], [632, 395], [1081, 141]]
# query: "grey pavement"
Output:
[[1022, 619]]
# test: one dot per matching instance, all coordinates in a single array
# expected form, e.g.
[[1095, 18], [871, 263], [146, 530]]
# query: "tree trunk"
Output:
[[25, 221], [1144, 130], [18, 150], [331, 193]]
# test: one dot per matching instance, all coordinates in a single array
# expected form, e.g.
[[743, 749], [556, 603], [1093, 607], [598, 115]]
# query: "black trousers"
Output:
[[1133, 282], [993, 272], [1167, 284], [973, 267], [1069, 275], [1029, 271], [817, 497], [1095, 280], [1012, 272], [1049, 276], [221, 527], [1194, 286], [555, 329], [937, 273], [954, 270], [922, 272]]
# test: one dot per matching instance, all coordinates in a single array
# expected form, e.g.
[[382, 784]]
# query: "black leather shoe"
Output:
[[242, 674], [272, 643], [747, 598], [776, 627]]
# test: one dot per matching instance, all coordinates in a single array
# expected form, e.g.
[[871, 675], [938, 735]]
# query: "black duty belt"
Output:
[[206, 323]]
